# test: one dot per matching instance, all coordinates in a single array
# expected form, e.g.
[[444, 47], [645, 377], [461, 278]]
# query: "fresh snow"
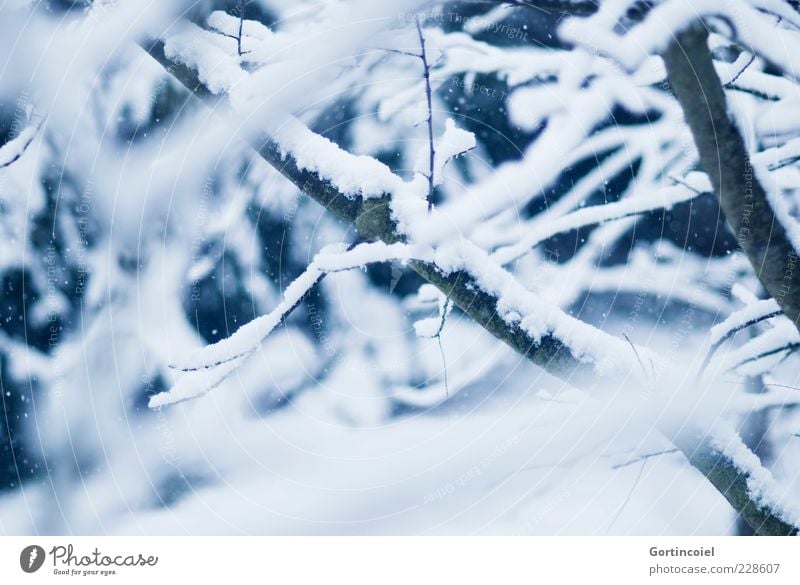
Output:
[[207, 367], [453, 142], [353, 175], [13, 150], [211, 55]]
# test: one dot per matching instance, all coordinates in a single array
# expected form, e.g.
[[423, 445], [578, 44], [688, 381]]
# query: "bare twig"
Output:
[[729, 334], [629, 496], [426, 74], [645, 456], [438, 336], [239, 37], [636, 353], [789, 347], [679, 181], [399, 52], [741, 71], [426, 71], [240, 9], [784, 163], [781, 386]]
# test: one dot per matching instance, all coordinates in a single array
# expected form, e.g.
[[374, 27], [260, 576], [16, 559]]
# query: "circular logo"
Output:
[[31, 558]]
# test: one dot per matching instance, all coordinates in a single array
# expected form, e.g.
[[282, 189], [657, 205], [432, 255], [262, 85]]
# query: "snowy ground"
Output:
[[510, 460]]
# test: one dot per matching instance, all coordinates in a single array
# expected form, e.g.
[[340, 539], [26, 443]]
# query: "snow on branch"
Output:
[[206, 52], [13, 150], [769, 507], [750, 315], [594, 215], [351, 174], [453, 143], [513, 184], [750, 23], [764, 352], [209, 366]]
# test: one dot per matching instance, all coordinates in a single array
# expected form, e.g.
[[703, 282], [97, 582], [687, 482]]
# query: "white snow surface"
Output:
[[352, 174]]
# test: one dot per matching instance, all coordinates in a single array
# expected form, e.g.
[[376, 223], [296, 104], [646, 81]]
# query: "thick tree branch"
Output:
[[744, 201], [372, 219]]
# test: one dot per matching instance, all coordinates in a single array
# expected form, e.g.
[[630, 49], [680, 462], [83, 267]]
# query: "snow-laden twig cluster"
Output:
[[209, 366], [561, 168]]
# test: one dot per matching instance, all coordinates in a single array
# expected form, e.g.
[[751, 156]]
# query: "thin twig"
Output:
[[438, 337], [636, 353], [742, 70], [241, 27], [628, 498], [729, 334], [645, 456], [754, 92], [679, 181], [284, 316], [781, 386], [789, 348], [783, 163], [24, 148], [399, 52], [429, 97]]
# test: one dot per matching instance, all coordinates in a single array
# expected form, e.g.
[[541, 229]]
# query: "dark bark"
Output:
[[755, 434], [723, 156]]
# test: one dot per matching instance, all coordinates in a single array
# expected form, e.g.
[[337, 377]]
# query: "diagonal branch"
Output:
[[723, 155], [372, 218]]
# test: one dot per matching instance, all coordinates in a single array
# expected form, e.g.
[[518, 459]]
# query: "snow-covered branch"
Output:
[[13, 150], [387, 210], [209, 366]]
